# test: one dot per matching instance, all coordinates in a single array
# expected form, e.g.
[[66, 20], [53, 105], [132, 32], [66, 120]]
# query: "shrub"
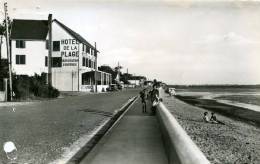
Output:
[[29, 87]]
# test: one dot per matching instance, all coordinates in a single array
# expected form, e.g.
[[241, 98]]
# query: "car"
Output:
[[112, 87]]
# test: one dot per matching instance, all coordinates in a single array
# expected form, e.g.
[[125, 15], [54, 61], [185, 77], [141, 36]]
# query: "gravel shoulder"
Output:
[[234, 142]]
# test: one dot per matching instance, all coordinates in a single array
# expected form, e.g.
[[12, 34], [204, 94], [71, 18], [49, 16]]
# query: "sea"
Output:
[[246, 97]]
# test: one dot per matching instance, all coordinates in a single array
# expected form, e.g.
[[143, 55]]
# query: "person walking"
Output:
[[154, 98], [143, 97]]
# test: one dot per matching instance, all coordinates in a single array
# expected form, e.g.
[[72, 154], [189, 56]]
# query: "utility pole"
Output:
[[49, 76], [127, 77], [78, 67], [118, 71], [8, 52], [96, 67]]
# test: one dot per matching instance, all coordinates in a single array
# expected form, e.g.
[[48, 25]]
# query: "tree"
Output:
[[3, 62], [2, 31]]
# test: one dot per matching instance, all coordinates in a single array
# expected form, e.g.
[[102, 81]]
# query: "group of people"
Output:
[[213, 119], [153, 95]]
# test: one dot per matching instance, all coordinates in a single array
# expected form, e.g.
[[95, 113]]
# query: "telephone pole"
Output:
[[118, 71], [49, 76], [96, 67], [8, 51]]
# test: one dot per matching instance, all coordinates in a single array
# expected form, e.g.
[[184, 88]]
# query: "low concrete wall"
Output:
[[2, 96], [180, 149], [90, 88]]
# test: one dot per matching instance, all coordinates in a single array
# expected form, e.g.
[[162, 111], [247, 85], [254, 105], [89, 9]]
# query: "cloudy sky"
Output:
[[178, 42]]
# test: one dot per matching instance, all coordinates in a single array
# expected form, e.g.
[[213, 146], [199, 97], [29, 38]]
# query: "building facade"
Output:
[[73, 58]]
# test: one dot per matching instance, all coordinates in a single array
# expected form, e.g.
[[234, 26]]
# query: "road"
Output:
[[42, 131]]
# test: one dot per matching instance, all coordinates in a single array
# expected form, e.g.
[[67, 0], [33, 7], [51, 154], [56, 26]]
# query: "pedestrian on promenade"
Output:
[[143, 96], [154, 98]]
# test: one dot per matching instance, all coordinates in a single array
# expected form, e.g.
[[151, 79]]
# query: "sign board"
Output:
[[69, 52]]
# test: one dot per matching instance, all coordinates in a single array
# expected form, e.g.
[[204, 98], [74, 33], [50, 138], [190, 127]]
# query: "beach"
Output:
[[234, 142]]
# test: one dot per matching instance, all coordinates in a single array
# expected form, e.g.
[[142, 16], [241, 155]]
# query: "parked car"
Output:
[[112, 87]]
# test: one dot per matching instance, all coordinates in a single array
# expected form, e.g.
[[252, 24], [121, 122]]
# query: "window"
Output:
[[46, 61], [56, 45], [83, 61], [83, 47], [20, 44], [47, 44], [56, 61], [88, 49], [87, 65], [20, 59]]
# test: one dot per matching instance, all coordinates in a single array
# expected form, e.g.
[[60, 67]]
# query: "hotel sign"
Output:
[[69, 52]]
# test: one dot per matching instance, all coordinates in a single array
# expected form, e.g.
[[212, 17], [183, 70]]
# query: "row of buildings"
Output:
[[74, 59]]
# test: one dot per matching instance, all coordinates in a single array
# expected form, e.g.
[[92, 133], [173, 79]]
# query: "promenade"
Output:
[[135, 139]]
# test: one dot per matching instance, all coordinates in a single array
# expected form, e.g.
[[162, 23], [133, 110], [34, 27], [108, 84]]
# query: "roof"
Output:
[[29, 29], [74, 34]]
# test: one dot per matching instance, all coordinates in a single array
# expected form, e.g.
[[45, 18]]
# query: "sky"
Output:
[[178, 42]]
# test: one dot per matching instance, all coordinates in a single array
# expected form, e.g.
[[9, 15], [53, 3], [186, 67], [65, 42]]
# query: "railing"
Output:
[[180, 149]]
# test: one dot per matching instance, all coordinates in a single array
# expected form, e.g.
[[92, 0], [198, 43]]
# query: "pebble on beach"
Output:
[[234, 142]]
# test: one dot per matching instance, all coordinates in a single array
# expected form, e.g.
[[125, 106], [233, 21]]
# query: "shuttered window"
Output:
[[20, 44], [20, 59]]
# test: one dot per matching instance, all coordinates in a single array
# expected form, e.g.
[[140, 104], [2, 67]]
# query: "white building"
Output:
[[136, 80], [73, 58]]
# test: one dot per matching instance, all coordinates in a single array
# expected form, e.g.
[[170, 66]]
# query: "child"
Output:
[[205, 117], [143, 99]]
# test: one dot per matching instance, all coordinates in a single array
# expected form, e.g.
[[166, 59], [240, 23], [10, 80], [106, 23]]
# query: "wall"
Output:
[[91, 88], [64, 78], [3, 49], [2, 96], [179, 147], [3, 93], [35, 52], [134, 82], [68, 77]]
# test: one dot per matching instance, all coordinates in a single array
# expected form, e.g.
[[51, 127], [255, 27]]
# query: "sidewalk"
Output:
[[136, 139]]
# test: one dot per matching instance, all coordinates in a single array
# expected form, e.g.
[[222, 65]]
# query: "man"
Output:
[[213, 119], [143, 97], [154, 98]]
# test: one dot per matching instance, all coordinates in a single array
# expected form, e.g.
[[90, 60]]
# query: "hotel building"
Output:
[[73, 57]]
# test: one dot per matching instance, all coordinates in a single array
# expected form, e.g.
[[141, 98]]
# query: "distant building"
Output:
[[136, 80], [73, 58], [148, 83]]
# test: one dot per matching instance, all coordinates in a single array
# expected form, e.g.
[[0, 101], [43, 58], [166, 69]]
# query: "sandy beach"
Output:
[[234, 142]]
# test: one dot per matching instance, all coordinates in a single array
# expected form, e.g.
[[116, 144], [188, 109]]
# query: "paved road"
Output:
[[135, 140], [42, 131]]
